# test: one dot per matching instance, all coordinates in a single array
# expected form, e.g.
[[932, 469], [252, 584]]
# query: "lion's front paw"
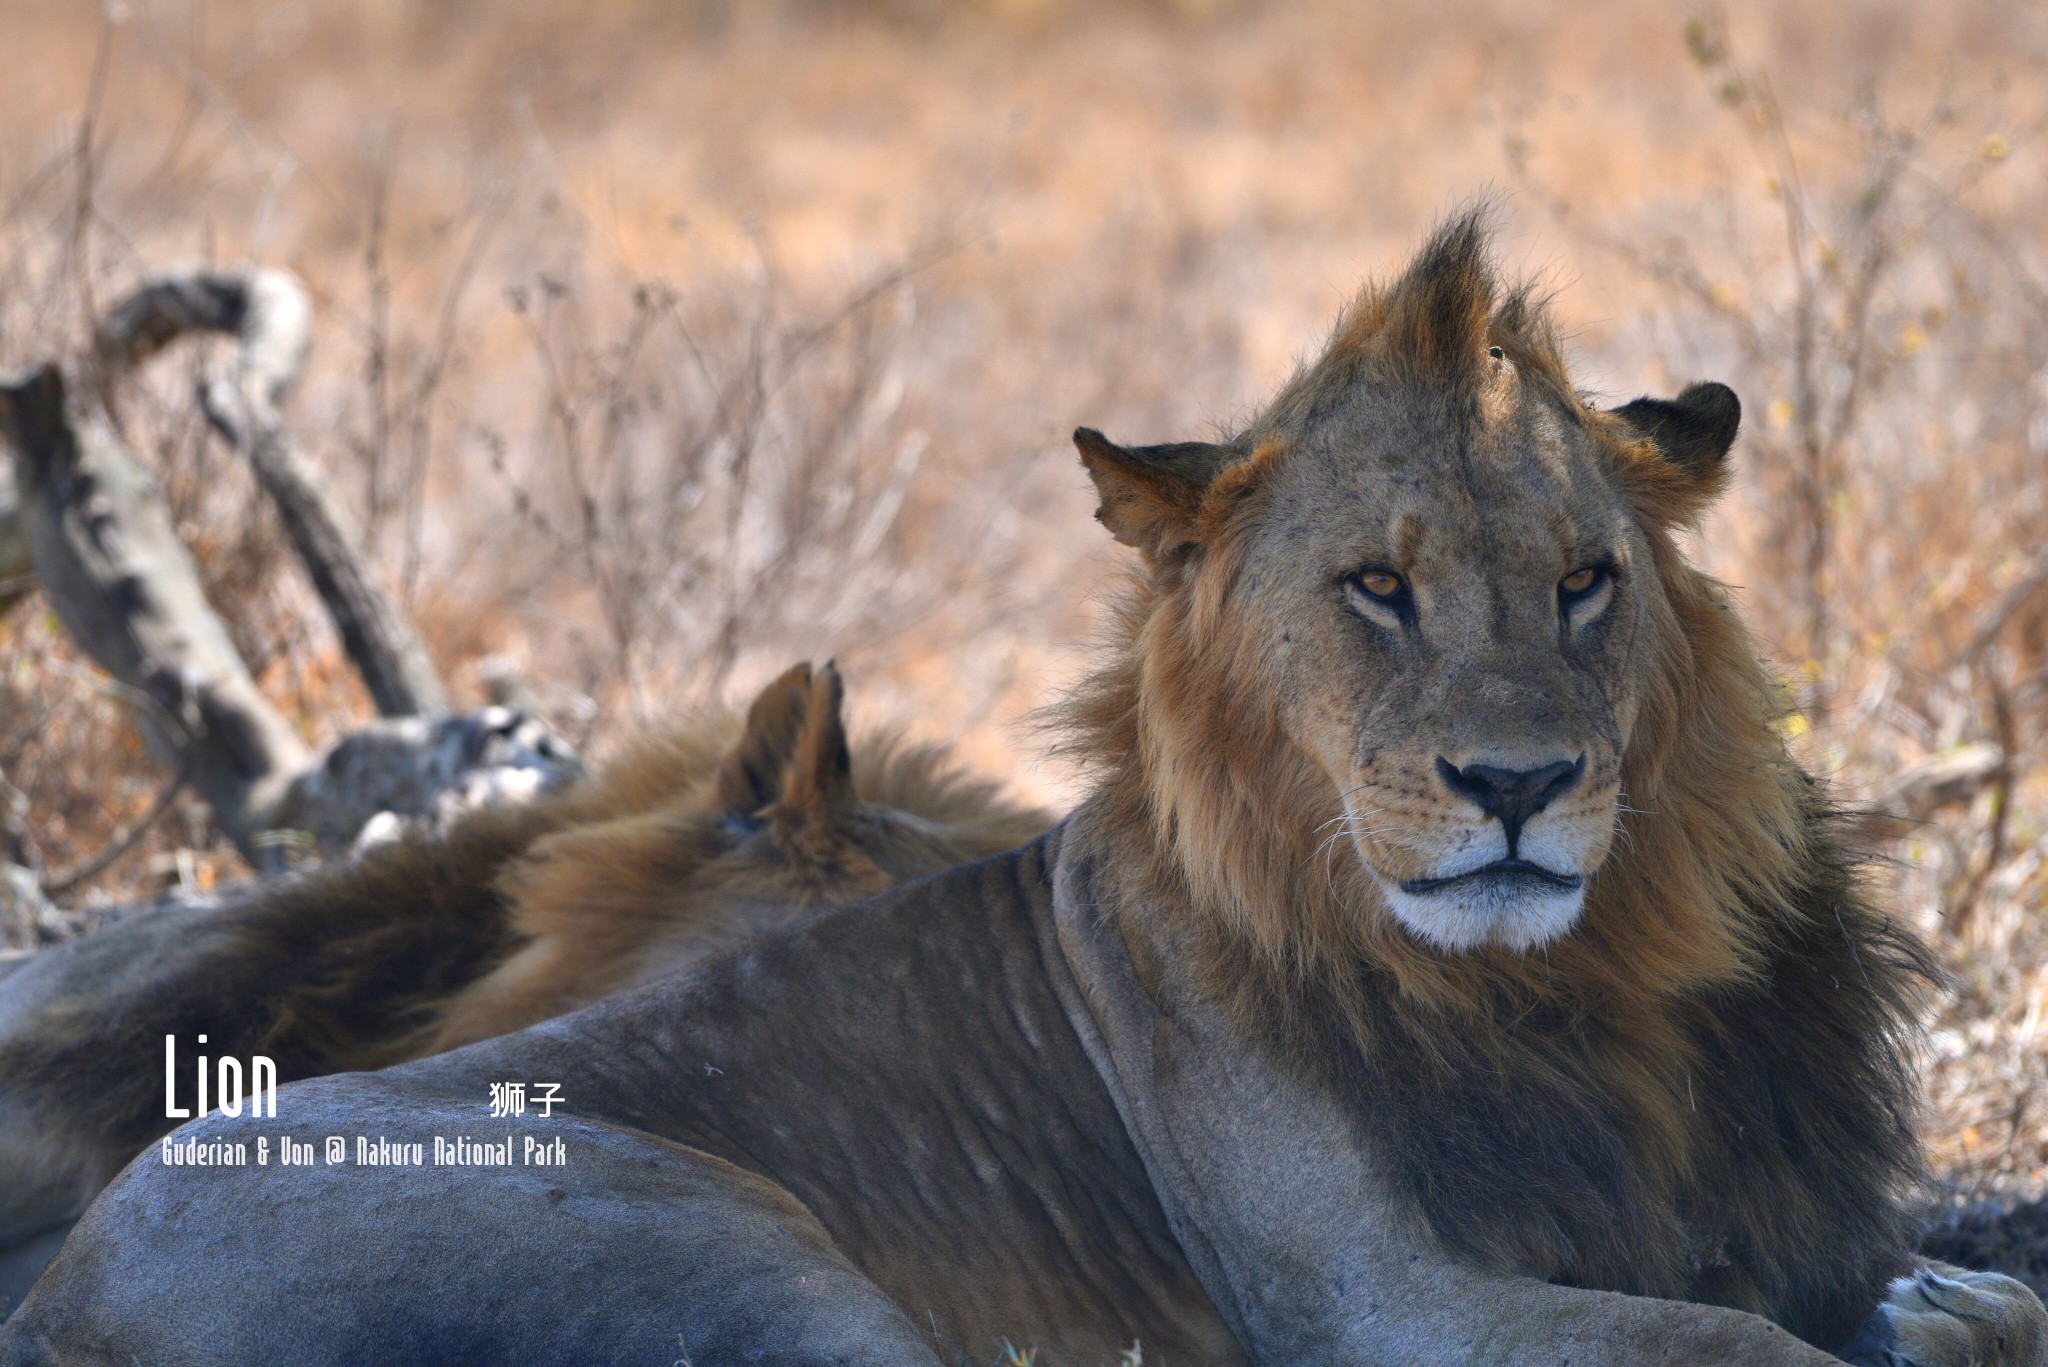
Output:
[[1942, 1316]]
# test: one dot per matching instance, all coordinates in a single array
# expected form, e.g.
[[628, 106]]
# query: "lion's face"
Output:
[[1452, 636], [1428, 566]]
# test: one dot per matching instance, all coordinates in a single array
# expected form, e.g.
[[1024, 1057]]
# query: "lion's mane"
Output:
[[1702, 1090]]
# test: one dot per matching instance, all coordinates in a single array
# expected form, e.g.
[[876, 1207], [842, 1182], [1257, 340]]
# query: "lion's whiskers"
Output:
[[1621, 812], [1348, 825]]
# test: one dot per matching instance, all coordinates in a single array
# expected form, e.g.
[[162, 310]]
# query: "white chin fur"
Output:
[[1485, 914]]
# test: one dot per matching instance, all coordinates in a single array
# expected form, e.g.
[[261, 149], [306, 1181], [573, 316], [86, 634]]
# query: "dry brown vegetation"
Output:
[[665, 343]]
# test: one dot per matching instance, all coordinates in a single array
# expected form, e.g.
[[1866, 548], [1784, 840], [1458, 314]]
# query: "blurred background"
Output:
[[659, 345]]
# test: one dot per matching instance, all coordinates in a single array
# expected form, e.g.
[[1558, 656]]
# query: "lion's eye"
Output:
[[1378, 594], [1381, 584], [1581, 584]]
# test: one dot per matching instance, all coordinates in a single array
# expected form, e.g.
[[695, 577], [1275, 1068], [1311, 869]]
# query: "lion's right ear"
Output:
[[816, 792], [1692, 434], [1151, 495]]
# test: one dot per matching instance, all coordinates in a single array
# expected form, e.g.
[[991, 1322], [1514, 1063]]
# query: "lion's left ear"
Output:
[[750, 776], [1692, 434], [1151, 495]]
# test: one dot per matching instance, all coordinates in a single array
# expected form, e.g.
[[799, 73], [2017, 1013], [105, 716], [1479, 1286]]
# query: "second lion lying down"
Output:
[[1450, 965], [694, 838]]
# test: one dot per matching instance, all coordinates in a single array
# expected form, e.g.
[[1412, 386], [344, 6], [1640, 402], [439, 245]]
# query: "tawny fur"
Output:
[[1185, 1072], [695, 837], [633, 889], [1699, 1092]]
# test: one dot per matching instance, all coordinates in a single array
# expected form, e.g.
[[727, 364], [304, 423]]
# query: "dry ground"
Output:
[[665, 343]]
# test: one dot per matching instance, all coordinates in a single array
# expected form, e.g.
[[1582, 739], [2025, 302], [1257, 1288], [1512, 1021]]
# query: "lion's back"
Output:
[[905, 1068]]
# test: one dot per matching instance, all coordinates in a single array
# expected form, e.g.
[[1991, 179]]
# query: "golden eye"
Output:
[[1379, 583], [1581, 582]]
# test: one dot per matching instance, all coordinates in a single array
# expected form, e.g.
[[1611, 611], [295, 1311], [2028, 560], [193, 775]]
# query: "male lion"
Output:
[[696, 836], [1355, 1017]]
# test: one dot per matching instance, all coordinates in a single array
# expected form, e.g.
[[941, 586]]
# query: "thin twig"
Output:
[[2007, 728], [57, 885], [83, 152]]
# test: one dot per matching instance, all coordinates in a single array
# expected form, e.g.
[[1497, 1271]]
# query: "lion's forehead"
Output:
[[1518, 500]]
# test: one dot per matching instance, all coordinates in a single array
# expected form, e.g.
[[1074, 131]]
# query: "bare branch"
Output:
[[1918, 792], [269, 315], [57, 884], [127, 590], [2001, 610], [26, 916], [1963, 905], [17, 569]]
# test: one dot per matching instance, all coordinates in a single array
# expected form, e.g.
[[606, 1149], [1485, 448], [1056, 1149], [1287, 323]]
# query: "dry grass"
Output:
[[663, 344]]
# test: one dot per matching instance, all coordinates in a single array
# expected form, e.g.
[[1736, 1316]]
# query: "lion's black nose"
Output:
[[1512, 795]]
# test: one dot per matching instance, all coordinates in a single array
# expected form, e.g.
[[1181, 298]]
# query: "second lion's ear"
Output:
[[751, 776], [792, 764], [1151, 496], [817, 791], [1692, 434]]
